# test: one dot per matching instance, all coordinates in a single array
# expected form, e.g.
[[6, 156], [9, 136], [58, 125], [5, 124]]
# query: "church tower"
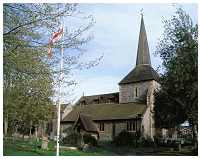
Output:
[[139, 85], [134, 87]]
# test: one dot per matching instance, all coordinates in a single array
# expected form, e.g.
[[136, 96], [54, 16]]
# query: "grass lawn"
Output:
[[21, 147]]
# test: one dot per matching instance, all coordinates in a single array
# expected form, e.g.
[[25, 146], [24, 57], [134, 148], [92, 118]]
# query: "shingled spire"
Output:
[[143, 56], [143, 70]]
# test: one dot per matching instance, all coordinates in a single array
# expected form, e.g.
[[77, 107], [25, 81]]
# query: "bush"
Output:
[[89, 139], [146, 142], [125, 138], [167, 143], [72, 139]]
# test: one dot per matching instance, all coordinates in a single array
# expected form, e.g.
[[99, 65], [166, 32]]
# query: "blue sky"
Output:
[[116, 33]]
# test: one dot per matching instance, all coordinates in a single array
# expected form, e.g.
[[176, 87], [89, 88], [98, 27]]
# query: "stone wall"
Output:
[[148, 124], [127, 92], [107, 134], [108, 129], [119, 126]]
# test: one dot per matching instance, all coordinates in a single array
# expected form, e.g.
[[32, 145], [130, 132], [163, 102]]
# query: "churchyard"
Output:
[[32, 147], [154, 112]]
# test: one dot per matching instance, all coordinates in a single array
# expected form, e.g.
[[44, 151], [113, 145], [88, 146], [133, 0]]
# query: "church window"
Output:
[[131, 126], [136, 92], [101, 126]]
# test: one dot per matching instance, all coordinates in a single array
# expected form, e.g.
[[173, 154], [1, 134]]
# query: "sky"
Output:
[[116, 34]]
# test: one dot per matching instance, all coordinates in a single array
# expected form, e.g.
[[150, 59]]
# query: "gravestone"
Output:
[[88, 148], [45, 141], [179, 147]]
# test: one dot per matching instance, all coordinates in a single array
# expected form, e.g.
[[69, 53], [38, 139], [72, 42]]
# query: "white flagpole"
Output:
[[60, 94], [59, 101]]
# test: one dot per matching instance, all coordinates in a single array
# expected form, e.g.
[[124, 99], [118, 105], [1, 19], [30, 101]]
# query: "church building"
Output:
[[129, 109]]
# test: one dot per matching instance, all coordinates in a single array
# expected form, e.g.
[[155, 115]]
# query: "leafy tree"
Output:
[[26, 91], [29, 76], [177, 100]]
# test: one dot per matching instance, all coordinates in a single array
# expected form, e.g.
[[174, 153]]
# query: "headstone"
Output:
[[87, 148], [171, 149], [26, 137], [45, 141], [179, 147], [182, 141]]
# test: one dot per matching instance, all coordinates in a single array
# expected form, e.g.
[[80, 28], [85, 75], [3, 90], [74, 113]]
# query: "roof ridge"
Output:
[[100, 94]]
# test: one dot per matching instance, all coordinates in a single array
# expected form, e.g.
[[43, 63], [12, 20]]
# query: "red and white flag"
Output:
[[55, 37]]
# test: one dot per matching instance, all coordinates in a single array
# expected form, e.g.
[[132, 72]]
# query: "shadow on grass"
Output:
[[22, 147]]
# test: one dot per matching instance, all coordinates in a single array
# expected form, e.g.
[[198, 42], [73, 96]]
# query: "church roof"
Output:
[[143, 70], [143, 56], [86, 122], [107, 111], [101, 97], [140, 73]]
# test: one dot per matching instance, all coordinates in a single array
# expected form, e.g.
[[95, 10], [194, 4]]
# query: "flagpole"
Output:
[[60, 95]]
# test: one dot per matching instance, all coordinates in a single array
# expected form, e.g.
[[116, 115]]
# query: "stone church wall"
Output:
[[105, 135], [148, 124], [108, 130], [127, 92], [119, 126]]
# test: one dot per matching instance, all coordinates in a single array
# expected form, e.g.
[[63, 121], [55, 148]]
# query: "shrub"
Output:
[[89, 139], [146, 142], [125, 138], [72, 139]]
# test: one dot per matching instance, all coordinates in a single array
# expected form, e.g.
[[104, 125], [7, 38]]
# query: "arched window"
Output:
[[136, 92]]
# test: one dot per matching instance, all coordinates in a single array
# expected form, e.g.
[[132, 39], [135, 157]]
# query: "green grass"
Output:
[[29, 148]]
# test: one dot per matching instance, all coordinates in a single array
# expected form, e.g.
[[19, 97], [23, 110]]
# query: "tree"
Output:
[[26, 91], [177, 100], [29, 76]]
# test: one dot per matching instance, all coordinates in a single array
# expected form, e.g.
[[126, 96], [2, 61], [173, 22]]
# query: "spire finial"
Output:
[[143, 56], [141, 12]]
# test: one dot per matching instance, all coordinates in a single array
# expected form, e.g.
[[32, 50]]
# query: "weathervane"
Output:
[[141, 12]]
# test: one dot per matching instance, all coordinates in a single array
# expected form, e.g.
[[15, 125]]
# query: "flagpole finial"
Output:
[[141, 12]]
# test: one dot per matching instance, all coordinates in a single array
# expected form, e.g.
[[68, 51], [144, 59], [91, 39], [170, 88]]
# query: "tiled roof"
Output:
[[86, 122], [107, 111], [103, 98], [140, 73]]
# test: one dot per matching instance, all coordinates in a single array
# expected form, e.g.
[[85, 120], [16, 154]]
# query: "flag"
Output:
[[55, 37]]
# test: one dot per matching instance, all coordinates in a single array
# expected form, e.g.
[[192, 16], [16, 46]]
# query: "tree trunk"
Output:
[[43, 128], [5, 126], [36, 132], [30, 129]]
